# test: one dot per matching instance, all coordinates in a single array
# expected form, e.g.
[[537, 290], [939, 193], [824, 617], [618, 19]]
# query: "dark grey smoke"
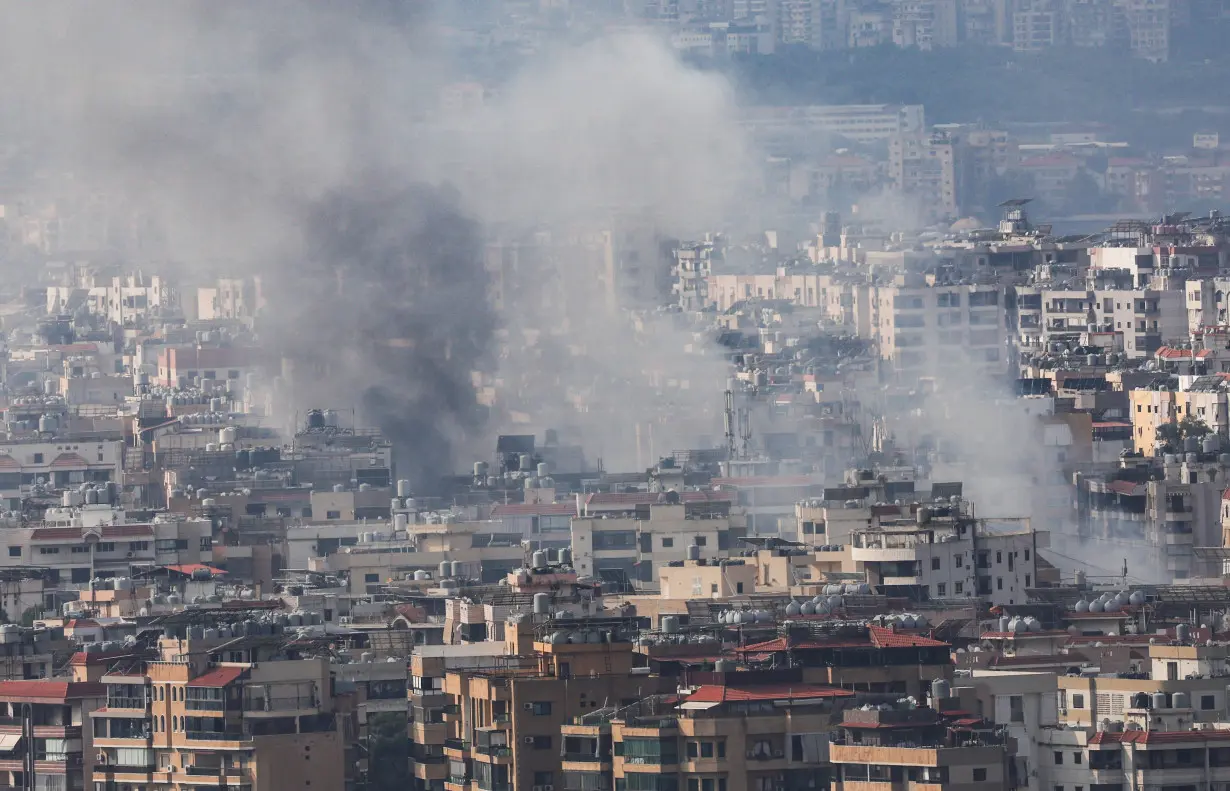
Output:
[[390, 304]]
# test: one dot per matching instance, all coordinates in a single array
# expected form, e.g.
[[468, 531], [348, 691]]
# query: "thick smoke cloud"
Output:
[[307, 142]]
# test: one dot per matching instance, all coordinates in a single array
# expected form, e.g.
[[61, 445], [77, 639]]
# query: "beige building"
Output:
[[221, 711], [922, 329]]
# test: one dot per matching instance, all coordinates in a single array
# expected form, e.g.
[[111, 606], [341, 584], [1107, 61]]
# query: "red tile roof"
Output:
[[7, 462], [82, 658], [1126, 487], [81, 623], [218, 677], [50, 689], [534, 509], [76, 533], [884, 637], [713, 693], [1112, 424], [189, 568], [1160, 737]]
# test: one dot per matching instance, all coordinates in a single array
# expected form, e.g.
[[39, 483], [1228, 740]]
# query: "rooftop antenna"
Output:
[[745, 432], [729, 420]]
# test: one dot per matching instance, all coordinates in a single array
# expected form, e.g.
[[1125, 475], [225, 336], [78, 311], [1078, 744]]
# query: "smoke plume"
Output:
[[313, 144]]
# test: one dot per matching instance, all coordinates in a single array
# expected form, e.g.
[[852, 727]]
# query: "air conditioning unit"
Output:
[[101, 758], [527, 706], [528, 740], [548, 787]]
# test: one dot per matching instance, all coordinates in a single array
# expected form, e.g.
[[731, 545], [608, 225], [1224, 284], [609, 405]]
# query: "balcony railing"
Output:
[[217, 736], [205, 771], [125, 703], [500, 751], [456, 744], [585, 757]]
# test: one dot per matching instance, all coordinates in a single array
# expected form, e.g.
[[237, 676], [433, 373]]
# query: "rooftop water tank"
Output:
[[670, 624], [693, 552], [539, 559]]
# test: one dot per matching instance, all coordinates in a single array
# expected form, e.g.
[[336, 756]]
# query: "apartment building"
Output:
[[221, 711], [735, 732], [372, 559], [919, 747], [634, 534], [863, 123], [860, 657], [1145, 318], [961, 560], [79, 548], [922, 329], [59, 463], [503, 723], [180, 366], [46, 741]]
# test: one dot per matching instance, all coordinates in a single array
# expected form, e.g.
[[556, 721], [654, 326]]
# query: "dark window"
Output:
[[1077, 758], [700, 541], [935, 564], [38, 458], [980, 775], [542, 707], [1059, 756], [667, 543], [1078, 701], [1206, 702], [14, 552], [371, 577], [542, 742], [333, 514]]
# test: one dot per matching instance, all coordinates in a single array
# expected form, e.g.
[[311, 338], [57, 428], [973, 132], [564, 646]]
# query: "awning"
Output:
[[8, 741], [699, 705]]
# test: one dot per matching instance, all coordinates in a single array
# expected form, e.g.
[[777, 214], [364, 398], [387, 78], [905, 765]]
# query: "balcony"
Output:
[[498, 753], [138, 704], [232, 739]]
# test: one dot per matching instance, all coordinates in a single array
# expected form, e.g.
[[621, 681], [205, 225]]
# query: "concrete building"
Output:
[[233, 712], [55, 714], [923, 328], [919, 746]]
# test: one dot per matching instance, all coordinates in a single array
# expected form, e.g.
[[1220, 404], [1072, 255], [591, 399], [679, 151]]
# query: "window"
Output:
[[48, 550], [935, 564], [706, 749], [1058, 758], [1016, 708], [1027, 554], [999, 583], [541, 708], [1027, 581], [667, 543], [958, 588], [1077, 759], [999, 557], [700, 541], [957, 560], [374, 577], [1078, 701], [544, 778], [980, 775], [693, 749], [38, 458], [941, 589], [1206, 702], [138, 546], [542, 743], [14, 552], [738, 587], [333, 514], [105, 546], [721, 749]]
